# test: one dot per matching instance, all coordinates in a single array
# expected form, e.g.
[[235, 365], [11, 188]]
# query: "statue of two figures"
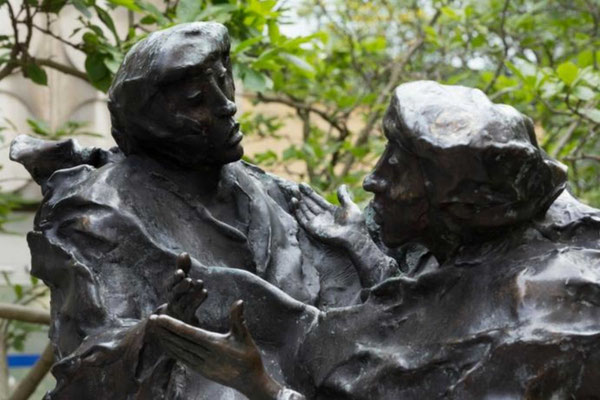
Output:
[[178, 271]]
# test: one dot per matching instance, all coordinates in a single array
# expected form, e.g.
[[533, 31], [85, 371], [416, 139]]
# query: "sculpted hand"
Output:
[[345, 227], [331, 224], [231, 359], [184, 294]]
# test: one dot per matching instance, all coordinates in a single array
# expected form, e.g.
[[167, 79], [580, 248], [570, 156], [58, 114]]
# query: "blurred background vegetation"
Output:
[[337, 71]]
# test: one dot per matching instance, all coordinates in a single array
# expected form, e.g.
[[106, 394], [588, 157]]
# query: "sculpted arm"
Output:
[[271, 317], [101, 309]]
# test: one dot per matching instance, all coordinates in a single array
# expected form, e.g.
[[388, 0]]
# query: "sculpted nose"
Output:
[[228, 109], [374, 183]]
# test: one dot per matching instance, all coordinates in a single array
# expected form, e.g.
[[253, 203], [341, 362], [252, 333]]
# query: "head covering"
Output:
[[162, 57], [481, 163]]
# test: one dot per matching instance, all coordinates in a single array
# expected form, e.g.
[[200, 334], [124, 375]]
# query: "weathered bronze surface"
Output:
[[504, 304]]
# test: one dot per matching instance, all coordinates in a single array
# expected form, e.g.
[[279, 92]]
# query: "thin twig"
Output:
[[394, 80], [591, 157], [565, 138], [57, 37], [500, 65], [302, 106]]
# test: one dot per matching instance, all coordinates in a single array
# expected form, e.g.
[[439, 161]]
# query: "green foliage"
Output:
[[15, 333], [539, 56]]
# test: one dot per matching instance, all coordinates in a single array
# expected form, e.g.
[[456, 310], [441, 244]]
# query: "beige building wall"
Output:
[[64, 99]]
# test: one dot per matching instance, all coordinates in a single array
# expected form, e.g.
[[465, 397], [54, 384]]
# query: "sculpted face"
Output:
[[173, 97], [198, 111], [457, 168], [400, 202]]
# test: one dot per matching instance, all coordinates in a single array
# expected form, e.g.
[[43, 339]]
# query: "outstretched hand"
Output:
[[231, 359], [185, 295], [331, 224]]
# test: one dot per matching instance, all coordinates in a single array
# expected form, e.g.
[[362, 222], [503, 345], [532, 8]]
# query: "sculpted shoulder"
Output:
[[42, 158]]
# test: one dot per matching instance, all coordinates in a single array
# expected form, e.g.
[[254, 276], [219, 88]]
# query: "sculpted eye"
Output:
[[221, 77], [194, 96]]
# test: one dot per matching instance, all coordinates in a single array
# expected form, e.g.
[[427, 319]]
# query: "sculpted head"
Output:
[[457, 167], [173, 97]]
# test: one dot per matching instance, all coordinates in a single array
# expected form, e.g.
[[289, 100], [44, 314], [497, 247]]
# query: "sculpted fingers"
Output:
[[239, 330], [350, 208], [300, 215], [181, 288], [344, 196], [184, 262], [313, 206], [199, 336], [306, 210], [315, 198], [175, 342], [182, 354], [174, 279]]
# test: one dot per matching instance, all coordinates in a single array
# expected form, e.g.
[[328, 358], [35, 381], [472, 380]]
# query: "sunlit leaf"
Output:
[[567, 72], [36, 74]]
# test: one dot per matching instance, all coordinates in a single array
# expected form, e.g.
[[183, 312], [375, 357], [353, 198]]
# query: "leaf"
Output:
[[36, 74], [585, 58], [94, 66], [156, 13], [584, 93], [18, 289], [299, 63], [82, 8], [274, 34], [129, 4], [107, 20], [188, 10], [450, 13], [213, 13], [97, 71], [253, 80], [148, 20], [592, 113], [39, 127], [567, 72], [112, 64], [246, 44], [53, 6]]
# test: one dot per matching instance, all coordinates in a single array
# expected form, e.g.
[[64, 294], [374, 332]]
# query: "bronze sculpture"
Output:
[[174, 184], [511, 311]]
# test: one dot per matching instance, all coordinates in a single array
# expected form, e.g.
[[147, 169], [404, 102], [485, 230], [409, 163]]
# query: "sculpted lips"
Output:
[[235, 136]]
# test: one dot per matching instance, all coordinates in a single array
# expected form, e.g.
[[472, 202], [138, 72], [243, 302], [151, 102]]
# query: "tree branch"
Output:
[[395, 76], [33, 378], [591, 157], [65, 69], [565, 138], [500, 65], [55, 36], [302, 106], [24, 314]]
